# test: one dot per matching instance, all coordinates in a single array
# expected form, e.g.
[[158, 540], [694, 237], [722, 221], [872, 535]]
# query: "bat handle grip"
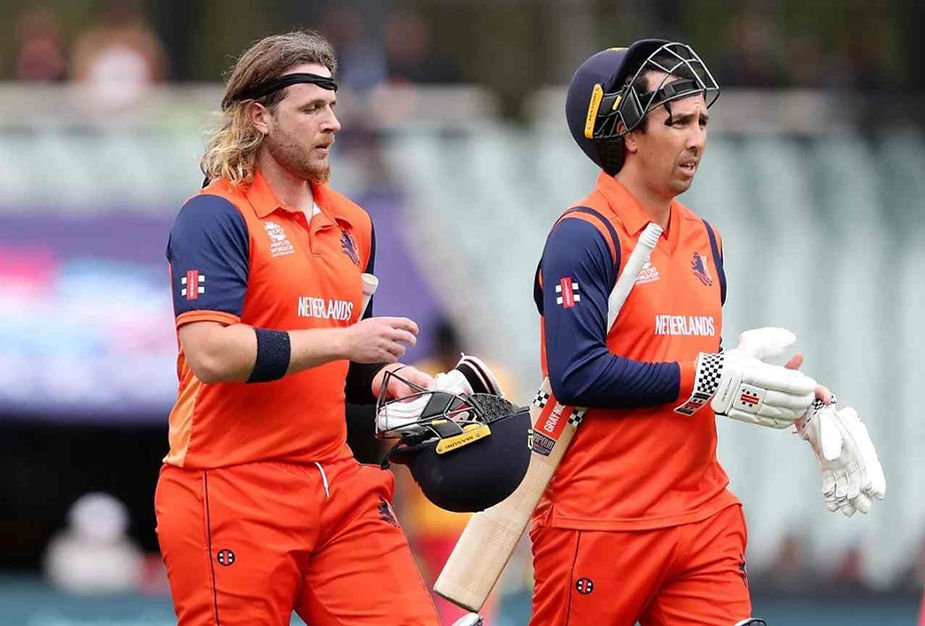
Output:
[[370, 284]]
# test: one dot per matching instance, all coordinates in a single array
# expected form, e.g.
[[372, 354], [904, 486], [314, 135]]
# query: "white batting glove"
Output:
[[852, 476], [753, 391], [741, 387], [769, 344]]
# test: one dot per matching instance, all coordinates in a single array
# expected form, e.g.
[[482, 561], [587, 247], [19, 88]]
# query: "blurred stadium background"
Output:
[[454, 140]]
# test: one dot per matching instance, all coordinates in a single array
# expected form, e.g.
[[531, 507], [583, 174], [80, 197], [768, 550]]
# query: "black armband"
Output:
[[273, 354]]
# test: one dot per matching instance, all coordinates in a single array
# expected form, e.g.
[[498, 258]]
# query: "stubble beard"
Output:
[[294, 160]]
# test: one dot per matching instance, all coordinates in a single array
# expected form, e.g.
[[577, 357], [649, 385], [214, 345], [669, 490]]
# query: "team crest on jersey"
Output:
[[699, 265], [279, 244], [194, 284], [386, 514], [349, 244], [567, 292], [648, 274]]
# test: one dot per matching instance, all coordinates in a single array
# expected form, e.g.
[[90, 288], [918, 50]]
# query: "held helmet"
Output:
[[604, 101], [466, 453]]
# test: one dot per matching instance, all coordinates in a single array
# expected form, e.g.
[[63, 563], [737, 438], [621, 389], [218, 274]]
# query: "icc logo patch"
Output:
[[279, 244], [584, 586], [699, 266], [225, 557], [648, 274], [275, 231]]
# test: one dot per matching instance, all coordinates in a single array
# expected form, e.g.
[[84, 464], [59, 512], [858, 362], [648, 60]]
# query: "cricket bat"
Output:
[[488, 540]]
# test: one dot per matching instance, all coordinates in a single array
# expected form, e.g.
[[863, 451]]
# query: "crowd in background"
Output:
[[508, 46], [119, 46]]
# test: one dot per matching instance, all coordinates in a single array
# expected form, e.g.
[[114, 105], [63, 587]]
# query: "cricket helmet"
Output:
[[466, 452], [604, 102]]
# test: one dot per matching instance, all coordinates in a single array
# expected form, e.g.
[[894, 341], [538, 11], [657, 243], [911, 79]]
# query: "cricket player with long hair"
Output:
[[261, 508], [637, 524]]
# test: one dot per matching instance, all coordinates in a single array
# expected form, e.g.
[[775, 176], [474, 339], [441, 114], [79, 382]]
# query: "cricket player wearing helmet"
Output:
[[637, 524]]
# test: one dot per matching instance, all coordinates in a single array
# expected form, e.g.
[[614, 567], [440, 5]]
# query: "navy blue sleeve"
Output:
[[208, 253], [578, 275]]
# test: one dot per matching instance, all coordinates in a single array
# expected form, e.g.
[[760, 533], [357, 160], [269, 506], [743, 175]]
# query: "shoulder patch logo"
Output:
[[699, 266], [279, 244], [349, 245], [194, 284], [567, 292]]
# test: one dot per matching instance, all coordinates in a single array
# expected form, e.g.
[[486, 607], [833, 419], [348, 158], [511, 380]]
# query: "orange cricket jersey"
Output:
[[237, 255], [634, 463]]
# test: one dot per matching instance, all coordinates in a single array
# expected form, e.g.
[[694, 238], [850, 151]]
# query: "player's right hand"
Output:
[[379, 339]]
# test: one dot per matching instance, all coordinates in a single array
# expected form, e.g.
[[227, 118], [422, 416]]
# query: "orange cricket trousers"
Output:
[[688, 575], [250, 544]]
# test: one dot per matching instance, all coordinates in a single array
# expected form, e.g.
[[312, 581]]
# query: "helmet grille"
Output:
[[491, 406]]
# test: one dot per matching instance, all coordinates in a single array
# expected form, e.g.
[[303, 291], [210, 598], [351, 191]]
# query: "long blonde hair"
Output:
[[232, 147]]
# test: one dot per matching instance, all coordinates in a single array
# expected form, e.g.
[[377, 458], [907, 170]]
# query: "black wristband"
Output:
[[273, 354]]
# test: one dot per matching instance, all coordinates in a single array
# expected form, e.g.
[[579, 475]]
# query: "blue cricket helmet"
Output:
[[474, 469], [466, 452], [603, 102]]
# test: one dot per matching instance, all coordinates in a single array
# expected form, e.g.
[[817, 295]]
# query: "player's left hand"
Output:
[[852, 476]]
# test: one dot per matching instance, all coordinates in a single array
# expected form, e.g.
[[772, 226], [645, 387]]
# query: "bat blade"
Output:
[[489, 538]]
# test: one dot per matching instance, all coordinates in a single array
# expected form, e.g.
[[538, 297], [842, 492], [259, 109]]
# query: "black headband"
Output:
[[268, 87]]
